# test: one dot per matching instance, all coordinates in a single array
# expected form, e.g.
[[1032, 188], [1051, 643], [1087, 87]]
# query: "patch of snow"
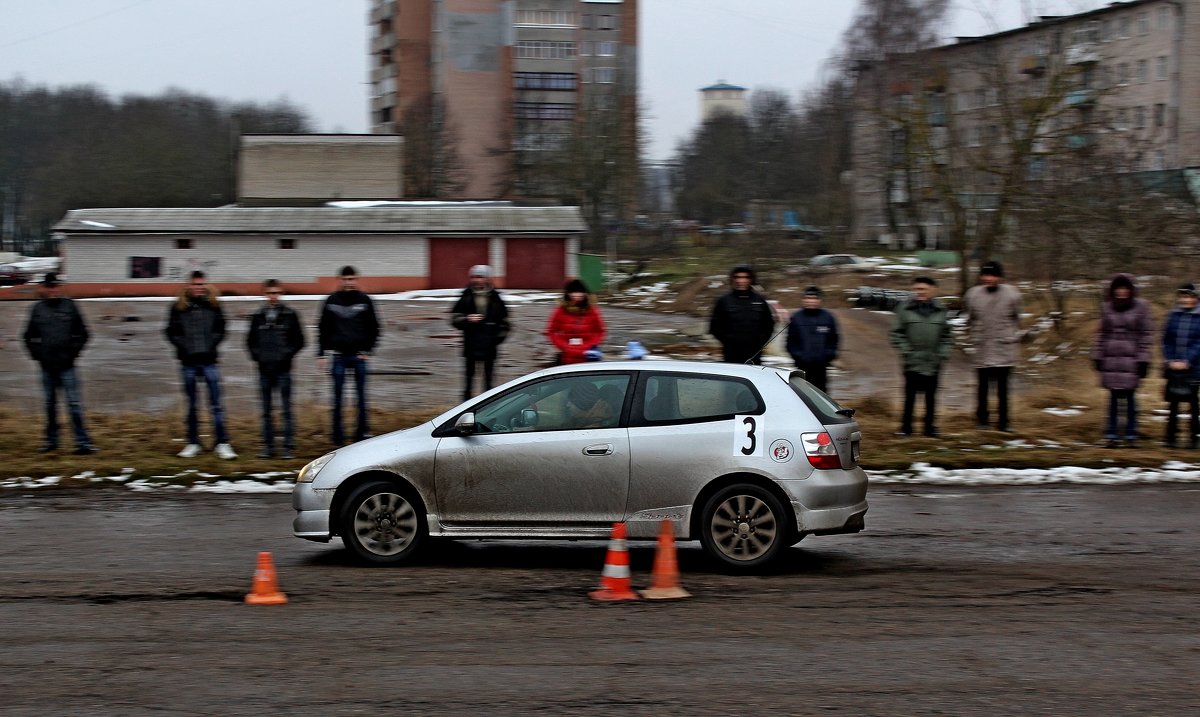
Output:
[[926, 474], [1062, 411]]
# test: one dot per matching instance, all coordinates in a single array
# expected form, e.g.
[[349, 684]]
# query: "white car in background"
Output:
[[840, 262]]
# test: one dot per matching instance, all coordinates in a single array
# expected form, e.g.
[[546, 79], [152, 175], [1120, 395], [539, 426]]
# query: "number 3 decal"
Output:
[[746, 432]]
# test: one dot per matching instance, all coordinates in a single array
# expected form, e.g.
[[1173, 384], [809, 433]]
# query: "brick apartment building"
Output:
[[513, 78], [1125, 78]]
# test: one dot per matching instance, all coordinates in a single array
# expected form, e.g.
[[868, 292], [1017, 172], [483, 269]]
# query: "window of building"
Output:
[[385, 26], [975, 136], [1160, 67], [385, 115], [183, 243], [1164, 18], [384, 57], [1143, 23], [980, 97], [993, 97], [587, 48], [541, 141], [1143, 70], [1158, 160], [546, 18], [145, 267], [606, 22], [1123, 28], [587, 22], [1160, 114], [606, 49], [1121, 121], [1139, 117], [604, 75], [1123, 73], [545, 50], [544, 110], [287, 243], [545, 81], [1106, 31]]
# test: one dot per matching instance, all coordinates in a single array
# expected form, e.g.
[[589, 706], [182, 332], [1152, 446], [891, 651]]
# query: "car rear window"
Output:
[[822, 406]]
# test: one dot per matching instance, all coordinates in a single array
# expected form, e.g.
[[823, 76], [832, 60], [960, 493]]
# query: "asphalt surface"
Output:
[[1047, 601]]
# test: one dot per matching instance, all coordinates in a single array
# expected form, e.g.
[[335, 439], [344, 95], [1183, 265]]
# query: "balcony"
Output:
[[383, 42], [1082, 55], [1034, 65], [382, 11], [1081, 99]]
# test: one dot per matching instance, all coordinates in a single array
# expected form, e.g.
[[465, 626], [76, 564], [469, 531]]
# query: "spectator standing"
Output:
[[195, 327], [742, 320], [576, 327], [1181, 352], [482, 317], [54, 337], [348, 329], [921, 333], [274, 339], [812, 339], [1122, 353], [994, 320]]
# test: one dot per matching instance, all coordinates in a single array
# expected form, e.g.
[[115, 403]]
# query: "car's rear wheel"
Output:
[[744, 526], [383, 524]]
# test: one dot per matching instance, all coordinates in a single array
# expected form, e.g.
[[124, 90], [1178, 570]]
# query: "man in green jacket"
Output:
[[922, 335]]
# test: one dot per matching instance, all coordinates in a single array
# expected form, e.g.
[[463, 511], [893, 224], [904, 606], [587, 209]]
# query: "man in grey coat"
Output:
[[993, 311]]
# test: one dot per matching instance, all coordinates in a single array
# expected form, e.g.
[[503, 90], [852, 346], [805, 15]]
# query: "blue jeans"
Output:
[[267, 383], [1110, 431], [341, 364], [212, 378], [65, 379]]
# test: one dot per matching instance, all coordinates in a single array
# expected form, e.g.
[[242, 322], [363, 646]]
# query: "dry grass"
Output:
[[148, 444]]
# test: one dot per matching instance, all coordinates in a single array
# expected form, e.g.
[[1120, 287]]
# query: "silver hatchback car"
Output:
[[746, 459]]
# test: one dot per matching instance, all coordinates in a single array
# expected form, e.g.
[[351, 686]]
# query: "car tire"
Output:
[[744, 526], [383, 523]]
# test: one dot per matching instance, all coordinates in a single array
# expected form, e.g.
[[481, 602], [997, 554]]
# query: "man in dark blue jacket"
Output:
[[812, 339], [274, 339], [1181, 353], [54, 336]]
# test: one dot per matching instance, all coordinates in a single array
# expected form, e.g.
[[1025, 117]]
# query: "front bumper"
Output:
[[312, 512]]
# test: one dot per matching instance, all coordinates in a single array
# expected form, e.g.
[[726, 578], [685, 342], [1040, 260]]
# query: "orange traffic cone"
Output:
[[664, 581], [615, 583], [266, 588]]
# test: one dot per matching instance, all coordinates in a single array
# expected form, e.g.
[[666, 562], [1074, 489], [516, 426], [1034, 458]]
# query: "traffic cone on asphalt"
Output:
[[664, 581], [615, 583], [266, 587]]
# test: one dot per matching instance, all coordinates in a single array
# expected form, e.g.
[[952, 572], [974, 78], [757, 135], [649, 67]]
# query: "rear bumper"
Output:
[[829, 502], [832, 521]]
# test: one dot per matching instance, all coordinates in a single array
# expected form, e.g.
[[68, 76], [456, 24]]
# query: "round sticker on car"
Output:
[[781, 451]]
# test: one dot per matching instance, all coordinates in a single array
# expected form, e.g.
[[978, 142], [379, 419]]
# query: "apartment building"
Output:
[[1122, 80], [513, 79]]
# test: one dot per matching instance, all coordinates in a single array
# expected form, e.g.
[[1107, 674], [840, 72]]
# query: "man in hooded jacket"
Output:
[[1122, 353], [195, 327], [482, 317]]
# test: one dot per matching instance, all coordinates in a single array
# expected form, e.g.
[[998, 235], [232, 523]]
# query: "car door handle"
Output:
[[600, 449]]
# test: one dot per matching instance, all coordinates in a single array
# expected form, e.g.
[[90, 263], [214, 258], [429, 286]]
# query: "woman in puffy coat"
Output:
[[1122, 352], [575, 327]]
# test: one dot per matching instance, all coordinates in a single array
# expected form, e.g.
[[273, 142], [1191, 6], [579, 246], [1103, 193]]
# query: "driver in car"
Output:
[[587, 407]]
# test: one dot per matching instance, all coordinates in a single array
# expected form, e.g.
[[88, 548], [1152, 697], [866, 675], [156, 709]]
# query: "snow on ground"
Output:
[[916, 474]]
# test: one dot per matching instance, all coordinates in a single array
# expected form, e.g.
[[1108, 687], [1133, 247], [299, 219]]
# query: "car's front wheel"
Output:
[[744, 526], [382, 523]]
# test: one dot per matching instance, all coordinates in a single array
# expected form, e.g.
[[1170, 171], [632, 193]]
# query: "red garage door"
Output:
[[451, 258], [534, 263]]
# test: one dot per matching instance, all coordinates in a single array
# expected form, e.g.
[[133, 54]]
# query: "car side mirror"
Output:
[[529, 417], [465, 424]]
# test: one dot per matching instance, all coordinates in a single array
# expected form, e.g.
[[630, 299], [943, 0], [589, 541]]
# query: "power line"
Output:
[[69, 25]]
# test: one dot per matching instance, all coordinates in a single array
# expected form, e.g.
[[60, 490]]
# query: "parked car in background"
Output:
[[839, 262], [746, 459], [10, 275]]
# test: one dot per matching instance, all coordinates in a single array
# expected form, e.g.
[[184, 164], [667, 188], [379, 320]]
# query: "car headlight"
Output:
[[310, 471]]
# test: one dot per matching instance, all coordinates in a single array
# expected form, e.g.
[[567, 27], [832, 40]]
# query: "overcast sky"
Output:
[[314, 52]]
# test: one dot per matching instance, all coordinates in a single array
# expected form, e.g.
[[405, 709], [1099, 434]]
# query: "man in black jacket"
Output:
[[742, 320], [812, 339], [482, 316], [349, 330], [55, 336], [274, 339], [195, 327]]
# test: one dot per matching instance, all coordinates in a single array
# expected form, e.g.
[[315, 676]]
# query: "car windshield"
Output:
[[824, 407]]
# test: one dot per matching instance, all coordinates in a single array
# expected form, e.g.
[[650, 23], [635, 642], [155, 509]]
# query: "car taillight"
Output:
[[821, 452]]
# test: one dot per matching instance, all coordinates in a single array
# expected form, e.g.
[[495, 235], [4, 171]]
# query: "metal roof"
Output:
[[722, 86], [327, 220]]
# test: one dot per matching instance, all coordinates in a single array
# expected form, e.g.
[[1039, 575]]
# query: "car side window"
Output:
[[565, 403], [674, 398]]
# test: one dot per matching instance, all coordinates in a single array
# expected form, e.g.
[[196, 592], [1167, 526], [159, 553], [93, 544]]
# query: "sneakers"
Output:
[[48, 448], [225, 452], [191, 450], [287, 454], [86, 450], [266, 453]]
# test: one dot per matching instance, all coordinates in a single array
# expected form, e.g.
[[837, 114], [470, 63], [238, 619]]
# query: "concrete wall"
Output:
[[275, 168]]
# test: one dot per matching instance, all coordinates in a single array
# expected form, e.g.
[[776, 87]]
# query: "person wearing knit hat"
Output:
[[1181, 354], [812, 339], [482, 316], [1121, 353], [576, 327], [742, 320], [993, 312]]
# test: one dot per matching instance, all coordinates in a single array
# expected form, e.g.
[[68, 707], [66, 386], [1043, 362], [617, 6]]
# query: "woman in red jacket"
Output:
[[575, 326]]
